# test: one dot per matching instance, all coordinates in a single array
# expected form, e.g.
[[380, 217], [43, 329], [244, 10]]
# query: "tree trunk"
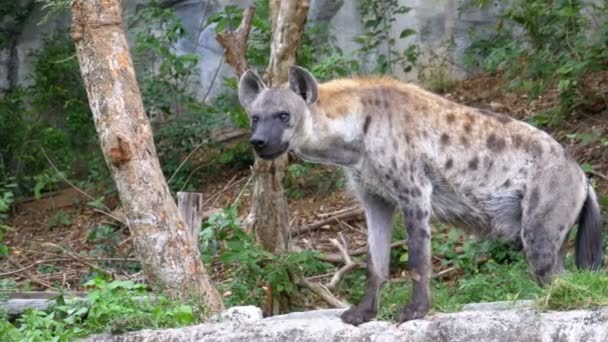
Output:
[[268, 213], [162, 242], [269, 204], [288, 21]]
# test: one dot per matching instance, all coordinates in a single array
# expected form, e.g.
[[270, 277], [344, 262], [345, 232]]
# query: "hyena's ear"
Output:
[[250, 86], [303, 83]]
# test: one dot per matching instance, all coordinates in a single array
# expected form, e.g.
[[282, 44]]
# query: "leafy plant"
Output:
[[116, 307], [378, 17], [163, 73], [13, 14], [251, 267], [31, 125], [60, 219], [6, 198], [539, 44]]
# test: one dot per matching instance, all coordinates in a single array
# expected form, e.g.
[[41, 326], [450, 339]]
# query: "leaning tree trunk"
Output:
[[169, 260]]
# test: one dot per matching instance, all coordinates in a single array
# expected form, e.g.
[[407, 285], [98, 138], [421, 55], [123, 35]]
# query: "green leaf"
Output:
[[97, 203], [4, 250], [406, 33], [586, 167]]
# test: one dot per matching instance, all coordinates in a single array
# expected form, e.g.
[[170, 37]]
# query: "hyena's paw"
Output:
[[358, 315], [413, 311]]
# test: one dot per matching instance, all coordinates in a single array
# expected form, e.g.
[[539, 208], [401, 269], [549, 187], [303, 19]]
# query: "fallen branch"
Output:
[[60, 174], [337, 257], [18, 302], [78, 258], [322, 291], [32, 278], [45, 261], [598, 174], [352, 213], [447, 272], [349, 265], [338, 212]]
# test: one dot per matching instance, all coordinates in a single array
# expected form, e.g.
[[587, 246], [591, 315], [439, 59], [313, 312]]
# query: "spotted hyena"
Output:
[[404, 147]]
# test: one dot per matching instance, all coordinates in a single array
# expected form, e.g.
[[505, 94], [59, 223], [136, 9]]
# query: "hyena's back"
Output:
[[490, 174]]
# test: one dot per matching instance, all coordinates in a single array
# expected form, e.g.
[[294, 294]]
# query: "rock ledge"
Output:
[[245, 323]]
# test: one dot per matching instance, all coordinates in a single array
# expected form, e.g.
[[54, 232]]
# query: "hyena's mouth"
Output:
[[270, 154]]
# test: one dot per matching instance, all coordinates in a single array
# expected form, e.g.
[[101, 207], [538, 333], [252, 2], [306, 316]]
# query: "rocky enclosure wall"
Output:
[[519, 325], [436, 21]]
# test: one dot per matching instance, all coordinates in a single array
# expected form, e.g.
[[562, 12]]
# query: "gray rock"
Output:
[[4, 70], [239, 314], [325, 325], [324, 10], [495, 306]]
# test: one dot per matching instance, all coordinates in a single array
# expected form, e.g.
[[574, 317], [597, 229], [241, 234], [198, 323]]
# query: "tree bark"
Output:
[[268, 214], [169, 261], [269, 205], [288, 21], [190, 207], [235, 43]]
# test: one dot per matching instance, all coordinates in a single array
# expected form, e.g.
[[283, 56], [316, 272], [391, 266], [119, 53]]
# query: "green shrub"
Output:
[[51, 116], [116, 307], [251, 267], [540, 44]]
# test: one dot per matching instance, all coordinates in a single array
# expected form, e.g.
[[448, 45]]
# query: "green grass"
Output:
[[493, 282], [502, 276], [575, 290], [116, 307]]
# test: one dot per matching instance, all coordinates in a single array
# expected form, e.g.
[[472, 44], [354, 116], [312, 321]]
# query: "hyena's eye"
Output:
[[255, 118], [284, 116]]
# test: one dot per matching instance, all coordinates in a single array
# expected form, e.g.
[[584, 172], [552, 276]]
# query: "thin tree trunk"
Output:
[[161, 238], [269, 205], [268, 214], [288, 23]]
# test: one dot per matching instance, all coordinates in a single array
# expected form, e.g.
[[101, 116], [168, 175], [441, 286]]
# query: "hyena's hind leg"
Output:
[[379, 217], [549, 209]]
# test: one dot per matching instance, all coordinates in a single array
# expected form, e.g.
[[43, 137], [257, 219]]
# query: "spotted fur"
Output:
[[409, 149]]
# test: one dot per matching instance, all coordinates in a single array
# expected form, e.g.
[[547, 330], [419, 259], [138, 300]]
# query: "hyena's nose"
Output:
[[257, 142]]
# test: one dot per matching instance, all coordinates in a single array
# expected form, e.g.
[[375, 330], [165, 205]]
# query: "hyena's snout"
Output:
[[267, 143], [257, 142]]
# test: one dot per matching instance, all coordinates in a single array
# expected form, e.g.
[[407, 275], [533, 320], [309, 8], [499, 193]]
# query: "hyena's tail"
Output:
[[589, 234]]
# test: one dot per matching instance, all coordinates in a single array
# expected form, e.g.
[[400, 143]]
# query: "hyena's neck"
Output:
[[329, 138]]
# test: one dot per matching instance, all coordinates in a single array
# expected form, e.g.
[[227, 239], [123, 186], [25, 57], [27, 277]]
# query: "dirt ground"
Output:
[[51, 243]]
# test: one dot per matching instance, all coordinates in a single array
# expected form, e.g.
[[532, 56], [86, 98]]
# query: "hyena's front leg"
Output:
[[416, 213], [379, 217]]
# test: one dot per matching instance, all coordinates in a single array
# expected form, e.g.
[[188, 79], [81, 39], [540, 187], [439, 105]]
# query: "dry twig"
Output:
[[337, 257], [78, 258], [345, 215], [322, 291], [349, 264]]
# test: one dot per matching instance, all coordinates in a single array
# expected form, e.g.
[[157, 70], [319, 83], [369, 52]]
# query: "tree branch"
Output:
[[235, 43]]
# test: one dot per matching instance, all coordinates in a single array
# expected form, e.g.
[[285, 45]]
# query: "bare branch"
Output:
[[349, 265], [333, 258], [323, 293], [235, 43], [345, 215]]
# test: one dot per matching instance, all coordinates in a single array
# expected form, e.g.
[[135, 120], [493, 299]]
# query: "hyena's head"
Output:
[[276, 113]]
